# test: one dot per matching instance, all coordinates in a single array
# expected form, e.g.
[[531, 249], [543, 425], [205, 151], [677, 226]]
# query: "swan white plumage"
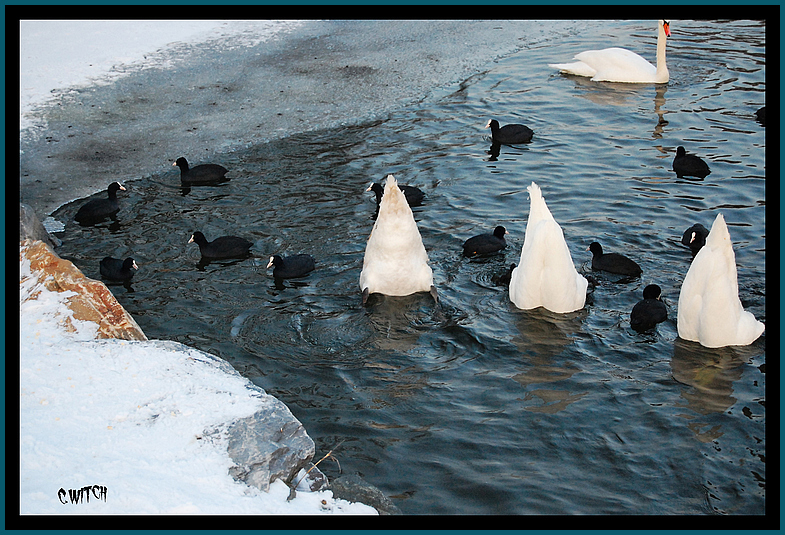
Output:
[[546, 276], [710, 311], [395, 261], [620, 64]]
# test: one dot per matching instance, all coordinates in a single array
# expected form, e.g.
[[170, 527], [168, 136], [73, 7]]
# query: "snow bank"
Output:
[[57, 54], [140, 424]]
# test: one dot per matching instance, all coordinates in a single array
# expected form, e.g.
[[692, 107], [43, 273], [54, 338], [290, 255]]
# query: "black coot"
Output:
[[689, 165], [509, 134], [414, 196], [291, 267], [613, 262], [99, 209], [649, 312], [503, 279], [223, 247], [485, 243], [760, 115], [114, 269], [201, 175], [695, 237]]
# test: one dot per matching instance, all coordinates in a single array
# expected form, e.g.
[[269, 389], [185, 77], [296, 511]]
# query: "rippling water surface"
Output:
[[473, 406]]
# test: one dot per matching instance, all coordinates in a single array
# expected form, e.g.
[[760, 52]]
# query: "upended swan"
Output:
[[395, 261], [710, 311], [546, 276], [621, 65]]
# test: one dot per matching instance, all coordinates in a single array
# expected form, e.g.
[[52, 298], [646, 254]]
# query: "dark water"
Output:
[[473, 406]]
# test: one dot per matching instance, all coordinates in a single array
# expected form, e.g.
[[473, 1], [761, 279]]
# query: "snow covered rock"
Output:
[[92, 300], [271, 444]]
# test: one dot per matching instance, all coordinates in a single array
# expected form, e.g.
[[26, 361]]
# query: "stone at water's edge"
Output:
[[93, 300], [31, 227], [272, 444]]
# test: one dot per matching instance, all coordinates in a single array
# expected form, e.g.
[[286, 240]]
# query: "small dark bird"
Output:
[[689, 165], [510, 134], [612, 262], [291, 267], [695, 237], [414, 196], [649, 312], [99, 209], [486, 243], [201, 175], [114, 269], [503, 279], [223, 247], [760, 115]]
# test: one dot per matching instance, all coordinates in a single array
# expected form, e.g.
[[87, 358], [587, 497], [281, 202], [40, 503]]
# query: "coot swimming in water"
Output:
[[99, 209], [114, 269], [612, 262], [649, 312], [291, 267], [695, 237], [200, 175], [223, 247], [509, 134], [689, 165], [414, 196], [486, 243]]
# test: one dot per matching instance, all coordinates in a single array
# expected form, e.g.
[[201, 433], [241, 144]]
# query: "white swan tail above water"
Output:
[[620, 64], [546, 276], [395, 261], [710, 311]]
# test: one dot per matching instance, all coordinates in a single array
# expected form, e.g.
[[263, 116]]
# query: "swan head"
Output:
[[666, 27]]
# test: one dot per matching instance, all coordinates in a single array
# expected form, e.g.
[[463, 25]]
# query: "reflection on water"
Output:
[[710, 374], [470, 405]]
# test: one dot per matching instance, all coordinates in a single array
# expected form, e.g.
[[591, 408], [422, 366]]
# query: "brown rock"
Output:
[[93, 300]]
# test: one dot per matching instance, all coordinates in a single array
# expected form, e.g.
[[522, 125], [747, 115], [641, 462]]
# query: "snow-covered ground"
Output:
[[127, 419], [56, 55], [134, 419]]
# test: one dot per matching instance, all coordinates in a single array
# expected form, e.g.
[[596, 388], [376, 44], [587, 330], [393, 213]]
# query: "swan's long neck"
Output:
[[661, 76]]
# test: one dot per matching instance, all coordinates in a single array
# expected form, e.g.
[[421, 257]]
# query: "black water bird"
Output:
[[695, 237], [760, 116], [291, 267], [201, 175], [689, 165], [483, 244], [414, 196], [99, 209], [223, 247], [650, 311], [117, 270], [613, 262], [510, 134], [503, 279]]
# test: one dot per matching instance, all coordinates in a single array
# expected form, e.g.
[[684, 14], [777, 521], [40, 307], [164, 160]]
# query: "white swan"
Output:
[[395, 261], [546, 275], [710, 311], [620, 64]]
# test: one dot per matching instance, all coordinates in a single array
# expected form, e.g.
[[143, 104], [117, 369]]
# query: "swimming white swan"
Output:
[[546, 276], [710, 311], [395, 260], [620, 64]]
